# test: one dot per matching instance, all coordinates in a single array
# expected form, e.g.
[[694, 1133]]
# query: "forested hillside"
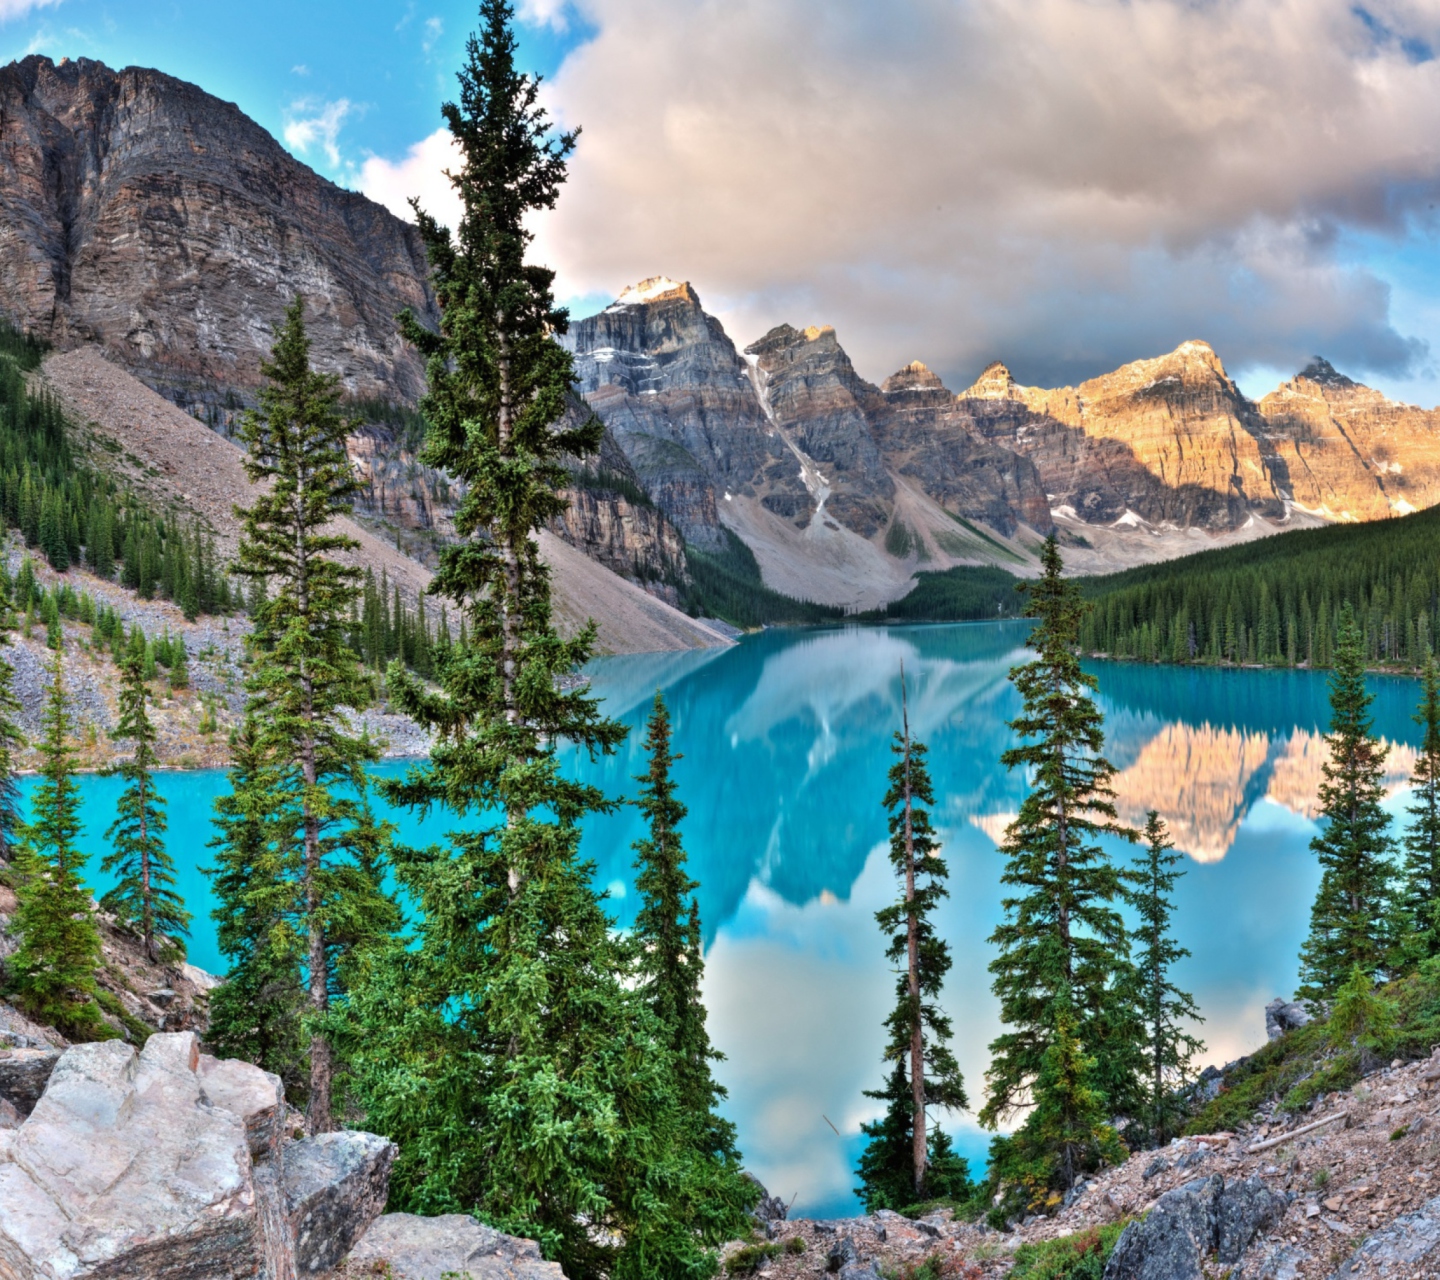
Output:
[[1276, 601]]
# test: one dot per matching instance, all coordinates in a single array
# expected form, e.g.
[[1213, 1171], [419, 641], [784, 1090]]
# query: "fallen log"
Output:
[[1297, 1133]]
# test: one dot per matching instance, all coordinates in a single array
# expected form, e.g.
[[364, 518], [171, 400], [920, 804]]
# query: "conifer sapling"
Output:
[[1348, 921], [925, 1073], [143, 898], [1169, 1050], [52, 973]]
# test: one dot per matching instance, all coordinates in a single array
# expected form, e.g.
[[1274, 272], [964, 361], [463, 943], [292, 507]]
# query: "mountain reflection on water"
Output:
[[786, 741]]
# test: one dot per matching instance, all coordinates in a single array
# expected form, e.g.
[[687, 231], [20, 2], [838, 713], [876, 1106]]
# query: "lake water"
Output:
[[786, 743]]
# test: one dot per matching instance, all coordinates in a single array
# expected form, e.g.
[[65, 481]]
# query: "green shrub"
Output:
[[1079, 1257], [747, 1261]]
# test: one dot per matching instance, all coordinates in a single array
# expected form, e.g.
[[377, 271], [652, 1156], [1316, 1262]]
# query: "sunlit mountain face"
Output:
[[786, 740]]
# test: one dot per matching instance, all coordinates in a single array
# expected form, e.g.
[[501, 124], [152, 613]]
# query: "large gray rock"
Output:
[[454, 1244], [335, 1187], [162, 1165], [1191, 1222], [1409, 1246], [23, 1076], [122, 1171], [1285, 1015], [256, 1096]]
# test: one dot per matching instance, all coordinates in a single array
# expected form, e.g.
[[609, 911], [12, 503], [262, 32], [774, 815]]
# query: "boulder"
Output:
[[1409, 1246], [335, 1187], [121, 1171], [1285, 1015], [1192, 1222], [162, 1165], [23, 1076], [256, 1096], [418, 1248]]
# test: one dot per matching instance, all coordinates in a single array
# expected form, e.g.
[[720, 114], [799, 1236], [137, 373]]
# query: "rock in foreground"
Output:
[[165, 1165], [454, 1244], [1201, 1219]]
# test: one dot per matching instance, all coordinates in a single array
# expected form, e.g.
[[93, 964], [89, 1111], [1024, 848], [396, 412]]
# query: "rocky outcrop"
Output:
[[632, 538], [1409, 1246], [140, 213], [453, 1244], [168, 1166], [24, 1073], [1346, 452], [1283, 1015], [1190, 1224]]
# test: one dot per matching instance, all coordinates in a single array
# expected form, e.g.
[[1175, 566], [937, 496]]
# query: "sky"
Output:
[[1064, 185]]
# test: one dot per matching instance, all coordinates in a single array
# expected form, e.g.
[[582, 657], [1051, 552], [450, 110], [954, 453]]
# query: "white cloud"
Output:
[[1060, 183], [420, 174], [434, 29], [299, 69], [19, 8], [545, 13], [310, 124]]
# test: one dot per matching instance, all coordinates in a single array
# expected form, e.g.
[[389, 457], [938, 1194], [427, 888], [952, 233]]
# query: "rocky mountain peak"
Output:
[[913, 378], [994, 383], [1322, 371], [143, 214], [655, 289]]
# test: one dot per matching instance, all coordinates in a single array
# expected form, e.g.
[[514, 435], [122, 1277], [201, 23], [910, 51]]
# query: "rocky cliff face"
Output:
[[790, 427], [812, 392], [677, 397], [1345, 452], [1170, 440], [927, 434], [140, 213]]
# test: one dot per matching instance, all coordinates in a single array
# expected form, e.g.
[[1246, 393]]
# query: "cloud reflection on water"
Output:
[[787, 738]]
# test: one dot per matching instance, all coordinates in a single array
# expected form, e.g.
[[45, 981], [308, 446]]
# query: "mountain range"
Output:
[[147, 219]]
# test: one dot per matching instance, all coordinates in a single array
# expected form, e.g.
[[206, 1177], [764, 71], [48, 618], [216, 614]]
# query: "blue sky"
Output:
[[1064, 186], [393, 61]]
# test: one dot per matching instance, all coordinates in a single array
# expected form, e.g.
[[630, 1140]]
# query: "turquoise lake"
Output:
[[786, 741]]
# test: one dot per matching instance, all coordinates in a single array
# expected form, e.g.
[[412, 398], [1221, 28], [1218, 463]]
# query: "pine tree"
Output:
[[1062, 940], [256, 1013], [303, 676], [1417, 927], [919, 1030], [471, 1044], [144, 898], [11, 739], [669, 954], [52, 974], [1168, 1050], [1348, 918]]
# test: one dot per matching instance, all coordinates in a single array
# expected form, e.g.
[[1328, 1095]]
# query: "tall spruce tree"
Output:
[[303, 676], [1063, 967], [1348, 921], [143, 898], [52, 973], [256, 1013], [668, 945], [1416, 934], [523, 1077], [1169, 1050], [919, 1030], [11, 739]]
